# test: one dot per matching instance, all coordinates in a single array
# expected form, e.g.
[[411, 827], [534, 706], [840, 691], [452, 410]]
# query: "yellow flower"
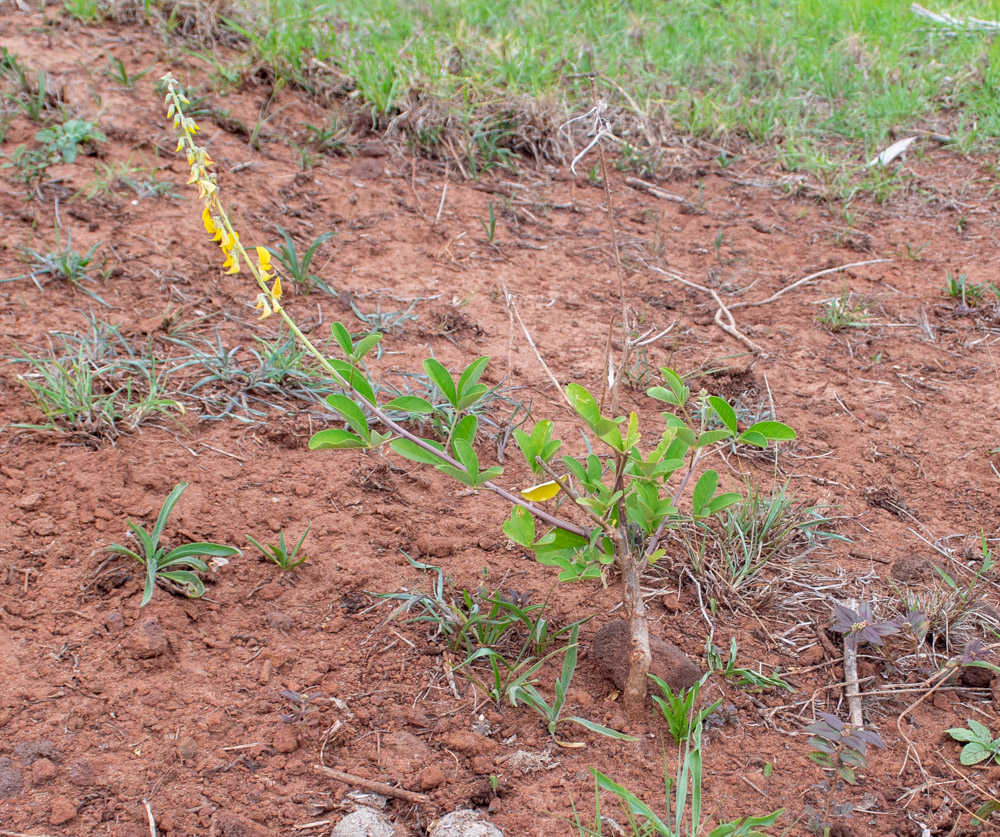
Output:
[[264, 257], [206, 218], [262, 303], [276, 292]]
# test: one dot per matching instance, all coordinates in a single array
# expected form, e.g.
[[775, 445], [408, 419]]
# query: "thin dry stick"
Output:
[[444, 194], [851, 685], [512, 307], [655, 191], [149, 814], [374, 787], [730, 327], [21, 834], [802, 281]]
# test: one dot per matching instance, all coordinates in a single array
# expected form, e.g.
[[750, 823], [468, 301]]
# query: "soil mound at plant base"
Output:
[[613, 644]]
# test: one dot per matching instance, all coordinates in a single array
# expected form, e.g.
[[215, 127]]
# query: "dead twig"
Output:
[[730, 327], [851, 685], [374, 787], [655, 191]]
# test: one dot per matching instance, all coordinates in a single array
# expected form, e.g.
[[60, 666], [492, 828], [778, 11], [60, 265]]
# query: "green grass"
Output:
[[821, 80]]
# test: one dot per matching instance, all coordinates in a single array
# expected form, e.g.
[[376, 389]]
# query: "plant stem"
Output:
[[640, 655]]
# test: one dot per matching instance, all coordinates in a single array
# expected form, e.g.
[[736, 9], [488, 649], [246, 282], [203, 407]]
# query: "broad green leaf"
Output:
[[981, 730], [471, 396], [462, 476], [681, 392], [752, 437], [343, 338], [335, 438], [187, 550], [726, 414], [195, 586], [465, 430], [465, 454], [489, 474], [704, 490], [352, 414], [366, 344], [410, 404], [723, 501], [584, 403], [442, 380], [973, 753], [632, 435], [378, 439], [774, 431], [165, 512], [520, 527], [414, 452], [710, 437], [663, 394], [354, 379], [600, 729], [470, 377], [960, 734]]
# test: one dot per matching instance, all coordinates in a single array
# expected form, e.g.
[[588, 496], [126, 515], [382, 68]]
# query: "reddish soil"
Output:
[[104, 706]]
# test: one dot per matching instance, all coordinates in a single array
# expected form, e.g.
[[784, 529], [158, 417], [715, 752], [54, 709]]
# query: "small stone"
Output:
[[28, 502], [464, 824], [365, 822], [613, 644], [430, 778], [285, 740], [466, 741], [336, 625], [82, 773], [280, 621], [63, 810], [147, 639], [229, 824], [114, 622], [187, 748], [43, 526], [42, 770], [270, 592], [11, 779]]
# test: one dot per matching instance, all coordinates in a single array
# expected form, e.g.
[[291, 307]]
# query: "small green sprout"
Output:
[[161, 564], [279, 554], [979, 743]]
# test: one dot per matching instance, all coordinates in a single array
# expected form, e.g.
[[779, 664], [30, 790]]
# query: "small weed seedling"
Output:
[[63, 263], [745, 678], [980, 744], [117, 71], [678, 710], [526, 693], [64, 141], [844, 312], [301, 706], [861, 625], [838, 750], [279, 554], [970, 293], [490, 227], [298, 269], [178, 564]]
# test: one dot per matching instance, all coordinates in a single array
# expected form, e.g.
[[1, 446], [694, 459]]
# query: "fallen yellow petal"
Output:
[[541, 492]]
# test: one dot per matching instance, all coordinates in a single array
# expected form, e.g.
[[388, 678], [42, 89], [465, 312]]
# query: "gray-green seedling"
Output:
[[279, 554], [678, 710], [838, 749], [980, 744], [527, 694], [744, 678], [180, 563], [297, 268]]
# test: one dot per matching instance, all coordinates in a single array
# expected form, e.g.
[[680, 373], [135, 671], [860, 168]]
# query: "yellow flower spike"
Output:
[[264, 258], [262, 303]]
